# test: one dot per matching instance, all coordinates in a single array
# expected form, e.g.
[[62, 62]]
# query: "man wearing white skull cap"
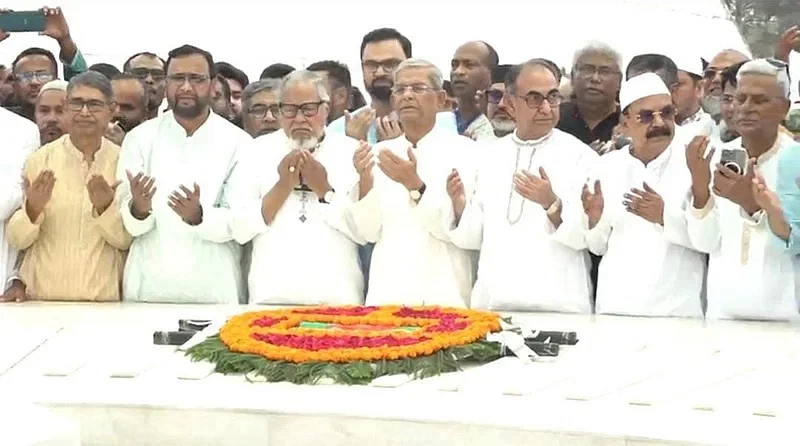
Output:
[[635, 207], [49, 111], [688, 97]]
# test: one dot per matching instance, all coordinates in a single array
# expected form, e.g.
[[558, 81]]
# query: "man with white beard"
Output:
[[525, 215], [304, 252], [496, 107], [635, 206], [401, 198]]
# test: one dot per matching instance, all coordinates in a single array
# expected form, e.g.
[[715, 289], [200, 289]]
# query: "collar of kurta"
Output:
[[780, 141], [70, 148], [658, 163], [696, 117], [531, 142]]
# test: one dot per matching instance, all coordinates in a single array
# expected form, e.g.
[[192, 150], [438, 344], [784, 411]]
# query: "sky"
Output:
[[252, 34]]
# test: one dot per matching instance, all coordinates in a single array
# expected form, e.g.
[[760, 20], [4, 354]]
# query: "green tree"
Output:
[[762, 22]]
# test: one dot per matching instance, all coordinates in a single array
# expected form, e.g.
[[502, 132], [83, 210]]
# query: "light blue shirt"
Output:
[[788, 193], [444, 120]]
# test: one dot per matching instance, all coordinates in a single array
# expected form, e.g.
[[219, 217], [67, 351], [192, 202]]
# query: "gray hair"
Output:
[[92, 79], [254, 88], [305, 77], [516, 70], [766, 67], [597, 48], [435, 76]]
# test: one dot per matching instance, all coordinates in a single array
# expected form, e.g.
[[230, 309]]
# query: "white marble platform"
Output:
[[629, 381]]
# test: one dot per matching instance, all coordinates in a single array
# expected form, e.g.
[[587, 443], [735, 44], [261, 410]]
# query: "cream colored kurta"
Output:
[[72, 253], [526, 264], [309, 254], [18, 138], [749, 276], [169, 260], [414, 261], [647, 269]]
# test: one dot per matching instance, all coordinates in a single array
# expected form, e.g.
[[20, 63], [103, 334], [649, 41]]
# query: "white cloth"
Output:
[[20, 137], [749, 276], [414, 262], [699, 123], [526, 264], [647, 269], [308, 262], [641, 86], [169, 260]]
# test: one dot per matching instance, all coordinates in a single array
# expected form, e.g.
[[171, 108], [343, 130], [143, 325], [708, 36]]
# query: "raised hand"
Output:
[[455, 189], [645, 203], [101, 194], [4, 35], [186, 203], [593, 203], [143, 189], [388, 128], [357, 126], [55, 25], [535, 188], [765, 198], [17, 292], [363, 160], [289, 169], [736, 188], [399, 170], [699, 162], [38, 193]]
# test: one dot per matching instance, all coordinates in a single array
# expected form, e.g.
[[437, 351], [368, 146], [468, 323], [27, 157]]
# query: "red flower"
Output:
[[267, 321], [316, 343], [337, 311]]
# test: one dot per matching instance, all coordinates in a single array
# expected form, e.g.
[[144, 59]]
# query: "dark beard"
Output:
[[189, 112], [382, 94]]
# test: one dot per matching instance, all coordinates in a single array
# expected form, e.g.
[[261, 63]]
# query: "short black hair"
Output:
[[383, 34], [228, 71], [35, 51], [729, 74], [190, 50], [276, 71], [106, 69], [127, 65], [130, 77], [653, 63], [226, 89], [499, 73], [447, 87], [494, 58], [335, 70]]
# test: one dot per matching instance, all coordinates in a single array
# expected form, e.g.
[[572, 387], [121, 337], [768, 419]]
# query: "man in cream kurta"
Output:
[[750, 276], [635, 207], [20, 138], [528, 262], [187, 156], [414, 261], [294, 210]]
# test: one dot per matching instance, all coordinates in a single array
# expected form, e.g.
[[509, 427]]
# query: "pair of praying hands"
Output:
[[184, 202], [39, 192], [395, 168], [645, 203], [301, 167]]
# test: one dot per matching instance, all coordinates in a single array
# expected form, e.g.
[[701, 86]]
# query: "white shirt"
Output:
[[647, 269], [414, 261], [749, 276], [526, 264], [698, 123], [308, 255], [20, 137], [169, 260]]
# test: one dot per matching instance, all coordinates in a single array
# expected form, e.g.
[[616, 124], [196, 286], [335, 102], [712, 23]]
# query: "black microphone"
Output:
[[540, 348], [172, 337], [193, 324], [555, 337]]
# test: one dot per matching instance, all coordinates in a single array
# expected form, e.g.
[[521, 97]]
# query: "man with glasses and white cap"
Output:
[[635, 208], [750, 276]]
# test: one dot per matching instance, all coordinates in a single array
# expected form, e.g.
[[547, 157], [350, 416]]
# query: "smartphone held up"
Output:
[[22, 21]]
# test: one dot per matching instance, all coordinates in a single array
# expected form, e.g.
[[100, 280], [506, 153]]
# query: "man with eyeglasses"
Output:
[[524, 216], [304, 249], [749, 276], [149, 68], [401, 199], [496, 109], [712, 76], [260, 109], [634, 203], [176, 193], [69, 224]]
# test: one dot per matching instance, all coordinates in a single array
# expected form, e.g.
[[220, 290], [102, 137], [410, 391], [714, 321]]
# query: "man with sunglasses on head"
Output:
[[749, 276], [525, 215], [176, 193], [635, 203], [496, 108]]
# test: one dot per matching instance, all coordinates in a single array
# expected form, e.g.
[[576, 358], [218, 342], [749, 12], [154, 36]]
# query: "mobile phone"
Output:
[[734, 159], [22, 21]]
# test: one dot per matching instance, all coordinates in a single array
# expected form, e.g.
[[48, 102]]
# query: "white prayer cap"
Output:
[[641, 86], [690, 64], [57, 84]]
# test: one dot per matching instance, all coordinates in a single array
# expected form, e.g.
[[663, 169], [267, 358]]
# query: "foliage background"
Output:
[[762, 22]]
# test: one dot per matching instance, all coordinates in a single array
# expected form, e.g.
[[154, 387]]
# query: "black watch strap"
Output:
[[322, 200]]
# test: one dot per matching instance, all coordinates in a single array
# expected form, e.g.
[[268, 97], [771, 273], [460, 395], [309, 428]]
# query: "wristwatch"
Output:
[[553, 207], [328, 197], [416, 194]]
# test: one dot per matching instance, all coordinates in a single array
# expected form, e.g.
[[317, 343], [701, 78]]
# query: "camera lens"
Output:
[[734, 168]]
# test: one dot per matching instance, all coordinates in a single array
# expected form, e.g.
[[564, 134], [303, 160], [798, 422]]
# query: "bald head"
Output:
[[471, 68], [726, 58]]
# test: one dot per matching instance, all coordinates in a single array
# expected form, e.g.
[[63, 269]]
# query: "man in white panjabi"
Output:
[[749, 276], [175, 194], [688, 96], [20, 137], [525, 215], [402, 198], [304, 252], [635, 213]]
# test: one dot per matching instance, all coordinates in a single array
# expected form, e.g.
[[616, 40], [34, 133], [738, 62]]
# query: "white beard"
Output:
[[303, 144], [503, 126]]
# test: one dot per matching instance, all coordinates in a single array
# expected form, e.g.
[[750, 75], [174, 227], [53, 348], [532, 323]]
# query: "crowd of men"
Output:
[[667, 187]]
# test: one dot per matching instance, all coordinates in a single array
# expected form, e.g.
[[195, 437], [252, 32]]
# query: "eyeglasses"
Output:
[[39, 76], [143, 73], [494, 97], [308, 109], [416, 89], [648, 116], [711, 73], [536, 100], [260, 111], [587, 71], [93, 105], [388, 65], [194, 79]]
